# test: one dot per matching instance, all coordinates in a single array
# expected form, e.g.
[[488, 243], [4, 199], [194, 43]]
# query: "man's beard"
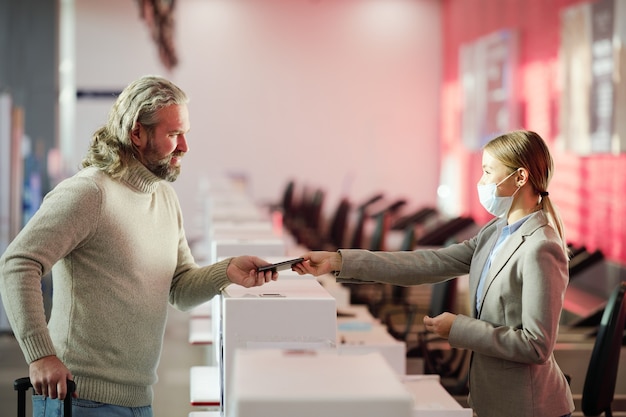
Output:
[[163, 169]]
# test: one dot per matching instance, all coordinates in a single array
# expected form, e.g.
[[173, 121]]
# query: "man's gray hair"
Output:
[[111, 147]]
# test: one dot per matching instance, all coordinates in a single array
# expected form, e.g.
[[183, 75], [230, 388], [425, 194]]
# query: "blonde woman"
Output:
[[518, 271]]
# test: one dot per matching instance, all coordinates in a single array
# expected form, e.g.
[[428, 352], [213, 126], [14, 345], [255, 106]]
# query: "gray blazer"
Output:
[[512, 335]]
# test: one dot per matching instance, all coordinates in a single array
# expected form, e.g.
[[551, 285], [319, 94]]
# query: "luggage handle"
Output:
[[21, 385]]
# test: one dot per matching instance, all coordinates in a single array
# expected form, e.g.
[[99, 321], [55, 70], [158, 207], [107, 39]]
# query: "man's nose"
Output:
[[182, 144]]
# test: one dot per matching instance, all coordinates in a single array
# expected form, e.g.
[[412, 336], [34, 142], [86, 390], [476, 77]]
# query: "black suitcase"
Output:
[[21, 385]]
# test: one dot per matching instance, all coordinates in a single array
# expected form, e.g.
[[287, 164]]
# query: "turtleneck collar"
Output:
[[140, 178]]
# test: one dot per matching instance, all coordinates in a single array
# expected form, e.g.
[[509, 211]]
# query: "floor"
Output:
[[171, 392]]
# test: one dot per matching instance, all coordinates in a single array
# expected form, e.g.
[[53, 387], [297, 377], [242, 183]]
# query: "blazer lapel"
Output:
[[480, 257], [509, 248]]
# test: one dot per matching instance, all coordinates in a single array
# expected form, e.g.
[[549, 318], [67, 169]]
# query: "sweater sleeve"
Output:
[[197, 285], [67, 217], [193, 285]]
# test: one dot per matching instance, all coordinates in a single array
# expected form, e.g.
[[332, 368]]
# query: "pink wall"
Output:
[[341, 95], [588, 190]]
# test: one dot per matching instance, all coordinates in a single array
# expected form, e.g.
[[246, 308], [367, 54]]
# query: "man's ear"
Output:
[[135, 134]]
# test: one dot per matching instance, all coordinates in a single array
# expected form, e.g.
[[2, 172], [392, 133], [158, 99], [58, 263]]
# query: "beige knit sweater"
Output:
[[118, 253]]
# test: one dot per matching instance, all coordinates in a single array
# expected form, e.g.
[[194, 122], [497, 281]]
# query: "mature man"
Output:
[[113, 237]]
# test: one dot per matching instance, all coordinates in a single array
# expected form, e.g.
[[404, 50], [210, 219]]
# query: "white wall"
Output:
[[343, 95]]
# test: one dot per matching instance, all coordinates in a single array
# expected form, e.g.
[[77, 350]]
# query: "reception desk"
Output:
[[363, 337], [309, 383], [430, 399], [358, 331], [289, 314], [287, 383]]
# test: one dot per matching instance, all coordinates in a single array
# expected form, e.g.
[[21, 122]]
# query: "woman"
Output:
[[518, 272]]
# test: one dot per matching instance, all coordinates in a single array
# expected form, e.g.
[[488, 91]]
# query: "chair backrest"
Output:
[[356, 241], [442, 233], [408, 241], [339, 224], [377, 240], [599, 387], [287, 201], [583, 259], [442, 298], [418, 217], [314, 210], [383, 223]]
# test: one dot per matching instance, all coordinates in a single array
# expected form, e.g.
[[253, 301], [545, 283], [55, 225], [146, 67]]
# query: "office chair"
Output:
[[442, 298], [409, 239], [381, 224], [383, 220], [377, 295], [599, 387], [313, 213], [451, 364], [583, 259], [287, 200], [339, 224], [306, 220], [373, 294], [419, 217], [288, 204], [333, 238], [441, 234], [356, 241]]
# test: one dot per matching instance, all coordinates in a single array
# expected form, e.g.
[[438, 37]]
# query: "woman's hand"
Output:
[[440, 325], [318, 263]]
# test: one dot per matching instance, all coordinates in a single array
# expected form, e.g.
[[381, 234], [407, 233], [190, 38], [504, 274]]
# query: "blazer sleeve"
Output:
[[407, 268]]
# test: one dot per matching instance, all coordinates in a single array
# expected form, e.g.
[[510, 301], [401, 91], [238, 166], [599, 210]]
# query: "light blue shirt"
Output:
[[507, 231]]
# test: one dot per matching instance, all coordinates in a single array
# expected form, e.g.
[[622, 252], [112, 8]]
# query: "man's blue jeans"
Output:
[[46, 407]]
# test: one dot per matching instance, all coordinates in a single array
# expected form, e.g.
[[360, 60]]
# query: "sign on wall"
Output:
[[488, 77], [593, 92]]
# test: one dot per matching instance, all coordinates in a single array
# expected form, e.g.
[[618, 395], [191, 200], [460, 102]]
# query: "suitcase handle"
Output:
[[21, 385]]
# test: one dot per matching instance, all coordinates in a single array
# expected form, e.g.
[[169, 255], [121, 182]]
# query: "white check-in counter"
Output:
[[430, 399], [261, 247], [359, 337], [309, 383], [285, 314]]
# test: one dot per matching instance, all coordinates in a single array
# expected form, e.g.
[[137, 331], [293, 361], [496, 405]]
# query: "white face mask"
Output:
[[498, 206]]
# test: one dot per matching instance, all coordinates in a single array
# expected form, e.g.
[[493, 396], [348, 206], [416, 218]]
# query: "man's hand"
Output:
[[49, 376], [242, 270]]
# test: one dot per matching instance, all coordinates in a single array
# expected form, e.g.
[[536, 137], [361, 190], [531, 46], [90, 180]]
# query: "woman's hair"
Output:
[[111, 148], [526, 149]]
